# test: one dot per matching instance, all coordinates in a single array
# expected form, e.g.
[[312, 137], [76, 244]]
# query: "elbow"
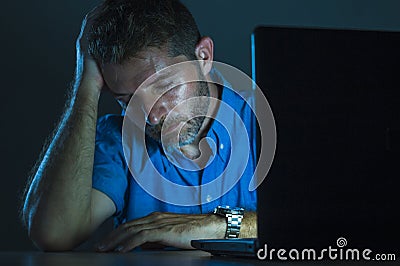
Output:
[[42, 234], [51, 234], [51, 242], [50, 237]]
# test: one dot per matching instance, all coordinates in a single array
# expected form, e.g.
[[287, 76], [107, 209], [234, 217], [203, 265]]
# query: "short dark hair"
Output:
[[123, 28]]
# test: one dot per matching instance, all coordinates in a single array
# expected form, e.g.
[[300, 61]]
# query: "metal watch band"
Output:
[[233, 218], [233, 227]]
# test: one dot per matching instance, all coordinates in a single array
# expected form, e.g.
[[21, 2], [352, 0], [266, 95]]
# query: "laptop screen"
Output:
[[335, 96]]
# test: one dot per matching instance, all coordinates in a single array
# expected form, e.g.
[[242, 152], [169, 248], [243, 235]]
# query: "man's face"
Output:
[[159, 97]]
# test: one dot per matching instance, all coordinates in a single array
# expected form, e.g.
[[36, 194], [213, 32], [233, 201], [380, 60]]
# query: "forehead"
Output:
[[126, 77]]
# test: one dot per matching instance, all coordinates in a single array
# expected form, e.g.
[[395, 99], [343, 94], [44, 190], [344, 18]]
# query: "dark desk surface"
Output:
[[180, 258]]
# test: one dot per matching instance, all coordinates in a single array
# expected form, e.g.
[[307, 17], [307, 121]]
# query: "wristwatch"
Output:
[[234, 216]]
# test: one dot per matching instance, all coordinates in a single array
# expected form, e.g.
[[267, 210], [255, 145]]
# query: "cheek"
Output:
[[178, 96]]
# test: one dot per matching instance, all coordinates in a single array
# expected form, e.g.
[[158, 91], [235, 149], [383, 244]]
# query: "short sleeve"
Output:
[[109, 169]]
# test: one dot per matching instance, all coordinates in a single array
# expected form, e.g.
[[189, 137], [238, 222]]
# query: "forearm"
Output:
[[57, 205], [249, 225]]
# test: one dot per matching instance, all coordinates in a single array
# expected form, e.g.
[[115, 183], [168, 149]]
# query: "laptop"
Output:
[[335, 96]]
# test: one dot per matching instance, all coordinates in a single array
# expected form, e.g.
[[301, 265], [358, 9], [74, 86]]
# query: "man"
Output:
[[83, 178]]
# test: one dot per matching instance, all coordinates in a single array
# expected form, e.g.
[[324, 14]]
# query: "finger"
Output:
[[127, 231], [153, 221], [154, 216], [112, 240], [94, 11], [80, 39], [169, 235], [86, 24], [141, 238]]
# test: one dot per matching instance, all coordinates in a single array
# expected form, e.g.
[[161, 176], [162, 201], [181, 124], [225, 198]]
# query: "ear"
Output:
[[205, 54]]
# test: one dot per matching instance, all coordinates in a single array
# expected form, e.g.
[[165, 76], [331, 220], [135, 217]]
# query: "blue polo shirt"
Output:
[[112, 176]]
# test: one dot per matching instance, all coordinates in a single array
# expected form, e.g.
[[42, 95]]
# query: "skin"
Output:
[[155, 100], [62, 209]]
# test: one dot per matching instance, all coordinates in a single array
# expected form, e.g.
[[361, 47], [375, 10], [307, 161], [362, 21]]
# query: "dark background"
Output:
[[37, 66]]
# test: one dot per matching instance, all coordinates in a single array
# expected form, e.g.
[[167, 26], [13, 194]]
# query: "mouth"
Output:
[[177, 131]]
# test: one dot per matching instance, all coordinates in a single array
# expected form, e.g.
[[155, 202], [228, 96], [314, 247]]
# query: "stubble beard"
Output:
[[191, 128]]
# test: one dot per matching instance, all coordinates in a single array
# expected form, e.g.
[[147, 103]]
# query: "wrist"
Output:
[[233, 217], [85, 97], [219, 225], [88, 88]]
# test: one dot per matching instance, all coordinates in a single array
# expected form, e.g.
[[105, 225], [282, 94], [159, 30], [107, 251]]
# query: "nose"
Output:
[[156, 113]]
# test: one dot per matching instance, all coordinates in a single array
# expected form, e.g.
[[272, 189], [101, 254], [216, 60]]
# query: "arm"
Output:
[[59, 208], [173, 229], [249, 225]]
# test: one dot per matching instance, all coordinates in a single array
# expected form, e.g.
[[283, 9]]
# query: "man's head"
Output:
[[133, 39], [123, 28]]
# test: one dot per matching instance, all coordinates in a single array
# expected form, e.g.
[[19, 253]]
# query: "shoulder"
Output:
[[237, 97], [242, 101]]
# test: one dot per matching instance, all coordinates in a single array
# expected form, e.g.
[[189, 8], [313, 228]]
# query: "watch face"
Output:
[[238, 210], [225, 209]]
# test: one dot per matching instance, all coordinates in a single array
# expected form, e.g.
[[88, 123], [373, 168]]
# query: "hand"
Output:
[[169, 229], [87, 69]]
